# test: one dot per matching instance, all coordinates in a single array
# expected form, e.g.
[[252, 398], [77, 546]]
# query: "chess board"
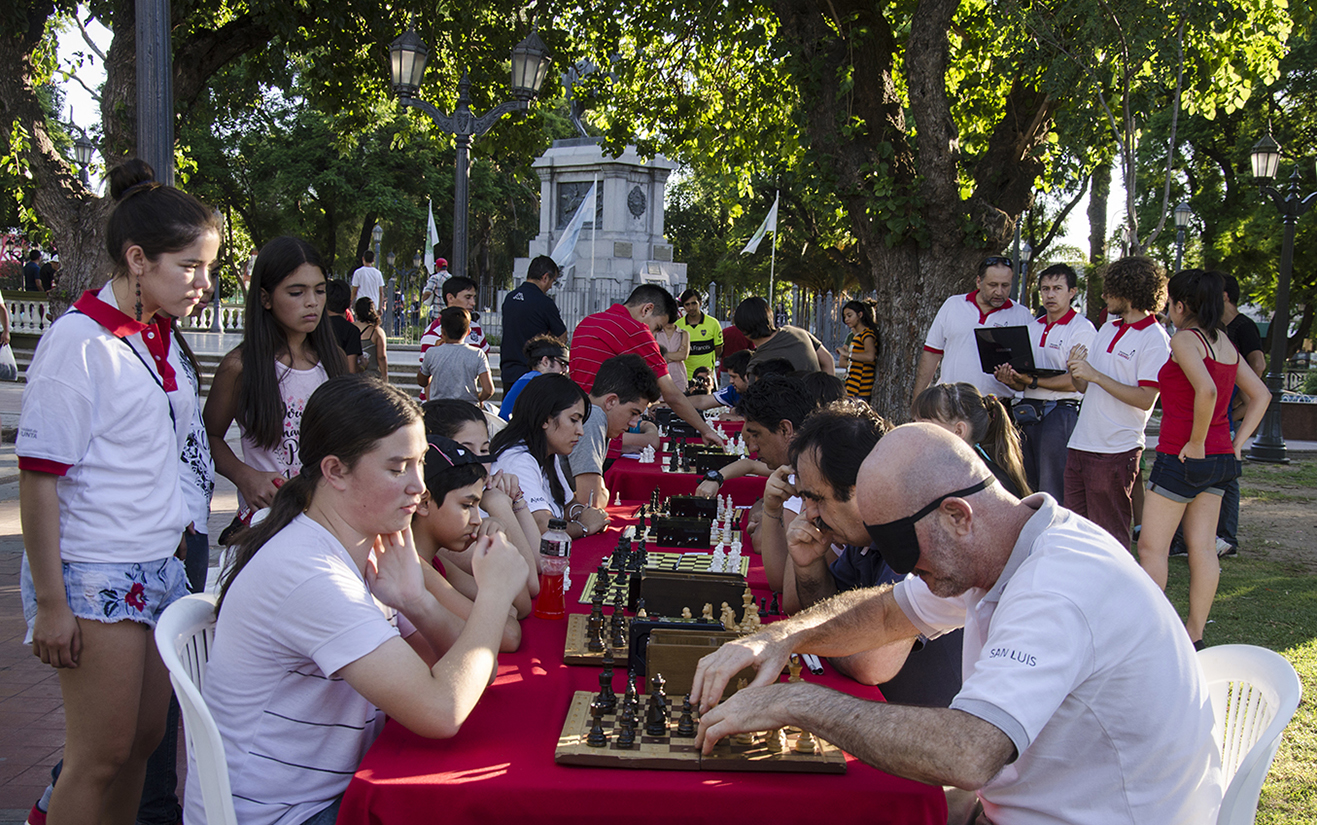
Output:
[[694, 561], [575, 652], [671, 753]]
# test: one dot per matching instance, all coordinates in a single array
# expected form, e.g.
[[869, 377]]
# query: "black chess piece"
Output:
[[686, 725], [657, 697], [632, 697], [609, 661], [616, 631], [606, 699], [596, 738], [626, 740], [656, 722], [594, 628], [774, 609]]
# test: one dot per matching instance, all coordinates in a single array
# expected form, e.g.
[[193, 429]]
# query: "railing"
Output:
[[28, 315], [229, 319]]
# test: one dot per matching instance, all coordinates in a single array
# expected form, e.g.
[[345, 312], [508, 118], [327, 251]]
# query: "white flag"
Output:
[[769, 225], [565, 252], [431, 238]]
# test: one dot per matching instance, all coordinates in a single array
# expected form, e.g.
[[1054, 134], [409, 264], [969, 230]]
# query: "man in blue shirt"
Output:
[[528, 311], [32, 272]]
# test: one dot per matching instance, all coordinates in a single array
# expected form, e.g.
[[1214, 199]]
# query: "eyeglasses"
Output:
[[998, 261], [898, 541]]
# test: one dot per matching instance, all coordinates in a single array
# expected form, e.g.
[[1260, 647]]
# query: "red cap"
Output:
[[441, 262]]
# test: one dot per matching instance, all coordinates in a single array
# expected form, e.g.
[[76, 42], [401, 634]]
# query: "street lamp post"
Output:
[[377, 235], [408, 55], [1270, 444], [1183, 214], [1026, 252], [390, 287], [82, 152]]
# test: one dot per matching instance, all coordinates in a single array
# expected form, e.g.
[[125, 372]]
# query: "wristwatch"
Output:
[[714, 476], [1033, 385]]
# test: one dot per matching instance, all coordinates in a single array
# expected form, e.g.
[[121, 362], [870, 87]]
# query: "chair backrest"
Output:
[[1254, 693], [184, 636]]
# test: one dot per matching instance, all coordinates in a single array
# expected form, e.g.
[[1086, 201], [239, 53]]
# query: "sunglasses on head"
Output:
[[999, 261], [898, 541]]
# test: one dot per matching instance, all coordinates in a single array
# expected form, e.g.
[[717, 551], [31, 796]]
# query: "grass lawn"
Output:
[[1268, 597]]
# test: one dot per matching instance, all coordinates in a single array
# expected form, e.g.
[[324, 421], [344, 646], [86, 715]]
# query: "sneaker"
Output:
[[1225, 548], [37, 816], [1178, 548]]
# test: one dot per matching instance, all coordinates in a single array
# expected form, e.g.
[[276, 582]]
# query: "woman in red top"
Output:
[[1196, 456]]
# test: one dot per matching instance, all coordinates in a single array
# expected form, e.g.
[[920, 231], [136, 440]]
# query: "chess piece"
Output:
[[686, 725], [747, 601], [656, 724], [775, 609], [707, 613], [594, 636], [744, 738], [657, 696], [609, 661], [776, 741], [606, 699], [596, 738], [617, 499], [763, 606], [805, 742], [686, 613], [631, 697], [626, 740], [793, 668]]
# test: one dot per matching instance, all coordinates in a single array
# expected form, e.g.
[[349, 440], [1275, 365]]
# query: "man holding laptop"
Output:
[[1047, 413], [951, 342]]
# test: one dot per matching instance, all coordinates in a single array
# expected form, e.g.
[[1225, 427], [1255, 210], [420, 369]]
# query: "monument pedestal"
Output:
[[623, 246]]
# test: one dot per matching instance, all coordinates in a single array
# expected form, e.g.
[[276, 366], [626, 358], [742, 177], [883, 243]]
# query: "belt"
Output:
[[1045, 406]]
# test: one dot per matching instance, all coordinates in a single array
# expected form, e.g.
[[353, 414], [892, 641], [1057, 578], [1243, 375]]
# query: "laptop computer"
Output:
[[1009, 345]]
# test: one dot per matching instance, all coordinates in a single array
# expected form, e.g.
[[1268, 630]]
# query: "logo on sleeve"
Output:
[[1014, 655]]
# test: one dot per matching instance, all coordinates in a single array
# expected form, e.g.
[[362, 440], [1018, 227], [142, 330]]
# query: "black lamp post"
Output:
[[1183, 214], [1026, 253], [407, 57], [82, 152], [1270, 443]]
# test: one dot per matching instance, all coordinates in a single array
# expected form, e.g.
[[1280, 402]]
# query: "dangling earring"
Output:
[[137, 284]]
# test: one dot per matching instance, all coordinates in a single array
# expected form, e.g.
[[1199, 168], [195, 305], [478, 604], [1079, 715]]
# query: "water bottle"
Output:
[[555, 550]]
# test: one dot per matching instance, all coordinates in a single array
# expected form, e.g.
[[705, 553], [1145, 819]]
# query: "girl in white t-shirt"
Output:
[[550, 420], [503, 506], [325, 621], [288, 349], [106, 414]]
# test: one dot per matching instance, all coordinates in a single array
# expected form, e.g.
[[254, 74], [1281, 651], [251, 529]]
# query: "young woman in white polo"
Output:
[[106, 413]]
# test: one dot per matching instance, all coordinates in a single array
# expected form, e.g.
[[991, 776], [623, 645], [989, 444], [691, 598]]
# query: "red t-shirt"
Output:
[[612, 332], [734, 341]]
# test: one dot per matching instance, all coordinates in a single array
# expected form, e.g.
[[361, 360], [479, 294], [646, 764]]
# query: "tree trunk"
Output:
[[1097, 241]]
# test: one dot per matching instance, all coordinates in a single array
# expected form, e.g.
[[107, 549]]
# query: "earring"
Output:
[[137, 283]]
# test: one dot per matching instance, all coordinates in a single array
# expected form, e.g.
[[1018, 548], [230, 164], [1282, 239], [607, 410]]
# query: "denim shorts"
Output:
[[1183, 482], [137, 592]]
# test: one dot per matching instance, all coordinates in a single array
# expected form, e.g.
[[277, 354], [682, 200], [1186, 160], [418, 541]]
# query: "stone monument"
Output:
[[623, 246]]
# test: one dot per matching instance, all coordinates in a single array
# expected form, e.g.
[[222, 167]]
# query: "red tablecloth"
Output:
[[636, 481], [500, 768]]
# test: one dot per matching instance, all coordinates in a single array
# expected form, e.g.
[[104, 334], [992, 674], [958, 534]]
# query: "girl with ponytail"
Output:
[[106, 417], [1196, 455], [981, 421], [327, 622]]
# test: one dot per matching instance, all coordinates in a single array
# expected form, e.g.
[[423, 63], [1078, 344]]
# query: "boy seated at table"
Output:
[[325, 625], [623, 388], [448, 524], [735, 365], [501, 509]]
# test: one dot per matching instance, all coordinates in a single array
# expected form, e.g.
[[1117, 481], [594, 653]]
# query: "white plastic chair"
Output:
[[184, 636], [1254, 693]]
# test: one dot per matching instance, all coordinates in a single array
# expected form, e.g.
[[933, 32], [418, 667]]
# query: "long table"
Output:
[[500, 768]]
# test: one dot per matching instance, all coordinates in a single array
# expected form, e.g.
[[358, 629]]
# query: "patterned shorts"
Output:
[[137, 592]]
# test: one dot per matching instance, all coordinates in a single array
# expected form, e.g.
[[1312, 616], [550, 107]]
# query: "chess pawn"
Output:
[[776, 741], [686, 725], [744, 738], [686, 613], [617, 499], [596, 738], [626, 740], [805, 742]]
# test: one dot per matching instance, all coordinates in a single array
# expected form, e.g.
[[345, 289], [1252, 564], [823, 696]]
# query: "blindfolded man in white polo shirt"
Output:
[[950, 342], [1076, 707]]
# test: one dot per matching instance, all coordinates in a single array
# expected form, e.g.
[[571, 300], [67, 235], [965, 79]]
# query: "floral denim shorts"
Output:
[[137, 592]]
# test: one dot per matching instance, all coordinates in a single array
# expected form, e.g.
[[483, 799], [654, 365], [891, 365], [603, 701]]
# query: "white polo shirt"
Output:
[[96, 413], [1077, 656], [1131, 354], [952, 337], [534, 483], [369, 282], [1051, 349]]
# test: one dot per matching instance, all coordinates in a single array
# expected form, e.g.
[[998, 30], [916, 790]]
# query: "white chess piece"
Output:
[[617, 499]]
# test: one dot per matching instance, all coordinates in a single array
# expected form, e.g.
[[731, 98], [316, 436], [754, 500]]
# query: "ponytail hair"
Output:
[[990, 425], [345, 417], [1202, 291], [148, 214]]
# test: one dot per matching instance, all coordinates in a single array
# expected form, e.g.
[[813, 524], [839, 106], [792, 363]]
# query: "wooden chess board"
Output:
[[693, 561], [575, 652], [670, 753]]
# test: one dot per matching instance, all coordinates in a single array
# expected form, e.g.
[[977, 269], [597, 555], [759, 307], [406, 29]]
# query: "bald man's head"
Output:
[[937, 508]]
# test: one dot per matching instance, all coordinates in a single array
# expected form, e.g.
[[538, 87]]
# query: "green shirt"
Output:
[[705, 335]]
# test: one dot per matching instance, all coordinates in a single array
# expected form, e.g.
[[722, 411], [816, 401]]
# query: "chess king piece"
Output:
[[606, 699]]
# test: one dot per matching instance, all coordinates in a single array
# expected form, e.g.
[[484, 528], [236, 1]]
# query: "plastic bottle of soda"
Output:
[[555, 550]]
